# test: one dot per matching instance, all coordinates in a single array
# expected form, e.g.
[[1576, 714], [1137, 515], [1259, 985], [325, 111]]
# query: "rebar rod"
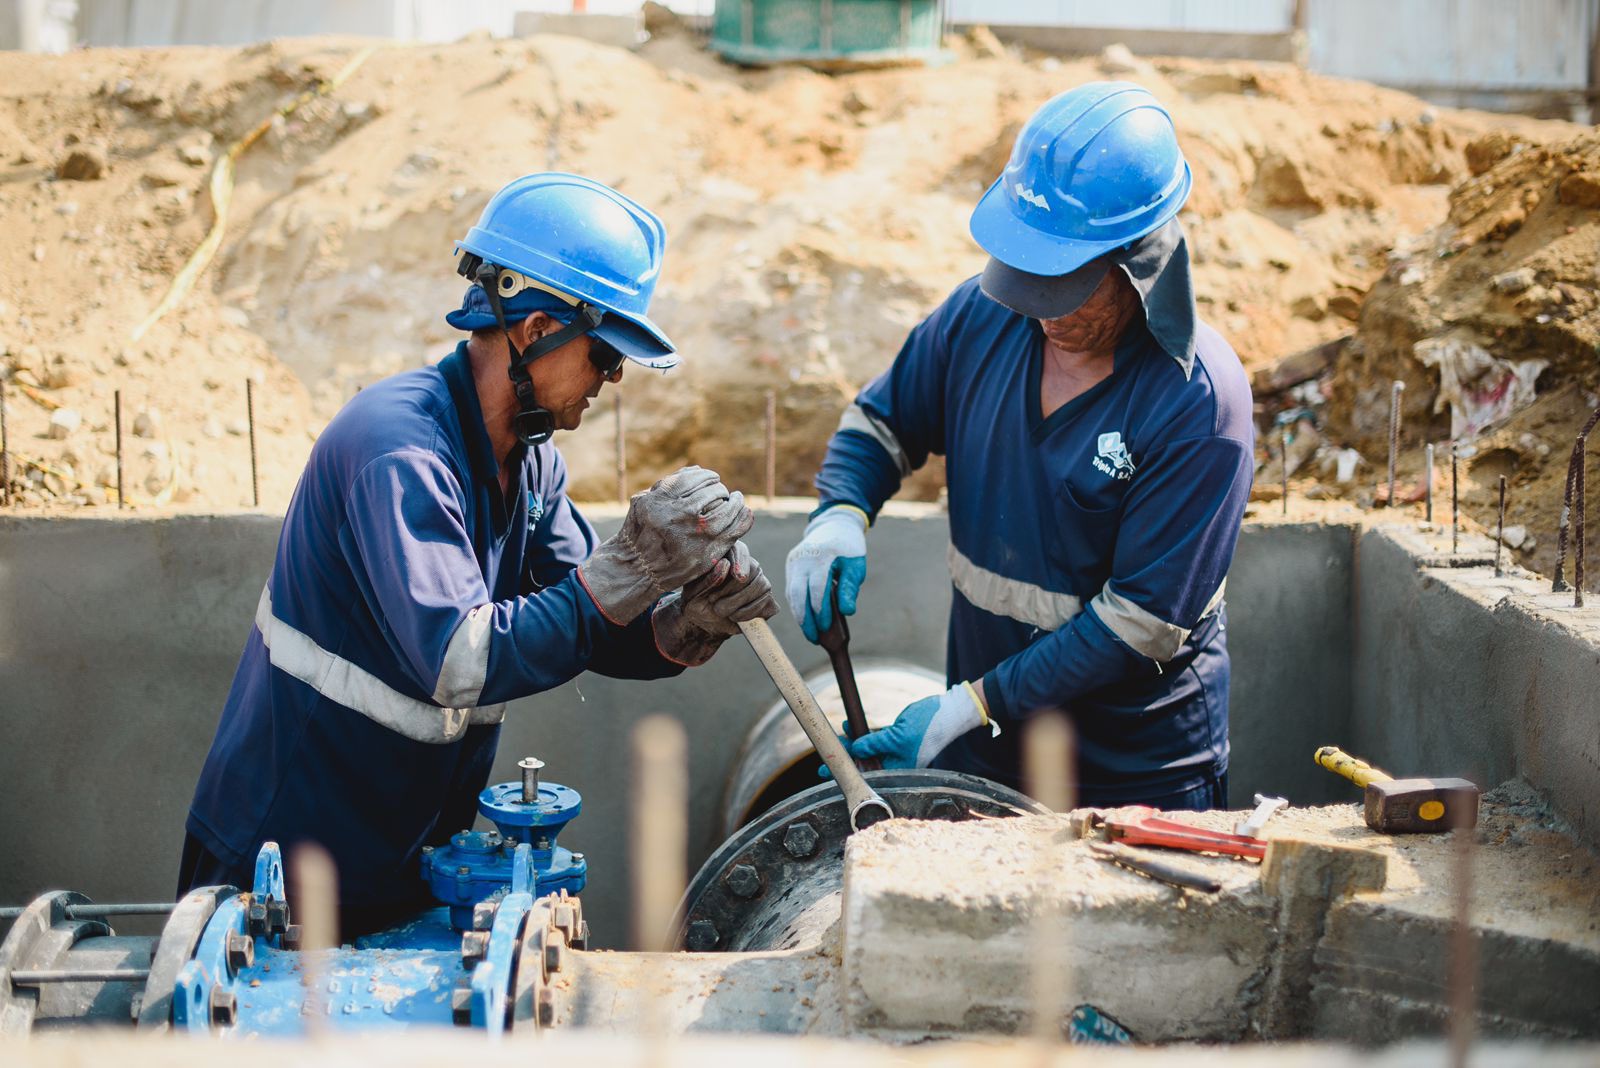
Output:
[[1394, 433], [250, 418], [1429, 492], [1574, 470], [116, 400], [5, 454], [1500, 529], [1283, 455]]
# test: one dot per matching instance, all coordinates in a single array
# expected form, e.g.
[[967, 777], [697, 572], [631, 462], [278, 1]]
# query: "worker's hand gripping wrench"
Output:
[[866, 807]]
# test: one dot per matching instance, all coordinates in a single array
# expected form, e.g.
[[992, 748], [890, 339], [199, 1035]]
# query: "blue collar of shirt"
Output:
[[457, 371]]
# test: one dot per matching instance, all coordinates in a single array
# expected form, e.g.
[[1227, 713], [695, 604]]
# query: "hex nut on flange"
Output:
[[800, 839], [701, 937], [744, 880], [474, 944], [224, 1007], [461, 1005], [546, 1007], [241, 950], [555, 954], [945, 808]]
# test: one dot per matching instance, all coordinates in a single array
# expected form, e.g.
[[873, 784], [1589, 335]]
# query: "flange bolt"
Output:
[[701, 937], [744, 880], [224, 1007], [241, 950], [800, 840]]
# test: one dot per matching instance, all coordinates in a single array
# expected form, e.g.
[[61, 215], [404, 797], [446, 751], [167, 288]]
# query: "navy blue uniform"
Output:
[[410, 599], [1089, 550]]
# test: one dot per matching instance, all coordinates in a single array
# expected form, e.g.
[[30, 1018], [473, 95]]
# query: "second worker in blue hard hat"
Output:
[[1099, 451], [431, 566]]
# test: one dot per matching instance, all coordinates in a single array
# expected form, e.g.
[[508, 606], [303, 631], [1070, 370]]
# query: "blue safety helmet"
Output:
[[585, 243], [1092, 171]]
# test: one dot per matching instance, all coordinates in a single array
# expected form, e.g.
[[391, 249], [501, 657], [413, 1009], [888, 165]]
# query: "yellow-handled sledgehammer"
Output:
[[1405, 806]]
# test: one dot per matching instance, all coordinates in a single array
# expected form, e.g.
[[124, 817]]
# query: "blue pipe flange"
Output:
[[538, 823], [175, 951], [555, 925], [493, 962], [205, 998]]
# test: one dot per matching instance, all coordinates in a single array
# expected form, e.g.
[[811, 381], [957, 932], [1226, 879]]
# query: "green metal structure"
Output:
[[827, 32]]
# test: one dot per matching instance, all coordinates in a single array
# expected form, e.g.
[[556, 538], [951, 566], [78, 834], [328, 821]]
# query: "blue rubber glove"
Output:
[[924, 728], [833, 551]]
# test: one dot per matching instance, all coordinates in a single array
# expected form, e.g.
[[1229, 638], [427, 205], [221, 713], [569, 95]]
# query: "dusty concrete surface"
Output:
[[428, 1051], [941, 924]]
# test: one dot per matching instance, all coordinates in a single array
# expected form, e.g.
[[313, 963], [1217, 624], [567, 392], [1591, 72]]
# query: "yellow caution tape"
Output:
[[222, 192]]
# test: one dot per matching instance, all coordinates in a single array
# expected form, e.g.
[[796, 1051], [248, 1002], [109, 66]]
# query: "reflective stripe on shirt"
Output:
[[1143, 631], [297, 655], [856, 418], [1012, 598]]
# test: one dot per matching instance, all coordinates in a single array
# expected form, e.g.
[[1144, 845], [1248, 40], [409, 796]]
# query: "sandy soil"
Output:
[[813, 220]]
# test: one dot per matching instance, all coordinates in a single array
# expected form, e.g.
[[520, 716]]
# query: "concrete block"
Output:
[[942, 923]]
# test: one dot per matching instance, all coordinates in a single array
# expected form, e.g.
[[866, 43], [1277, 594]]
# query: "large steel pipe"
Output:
[[777, 760], [777, 882]]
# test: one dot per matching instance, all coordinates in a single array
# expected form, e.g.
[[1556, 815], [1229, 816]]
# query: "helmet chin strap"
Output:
[[532, 424]]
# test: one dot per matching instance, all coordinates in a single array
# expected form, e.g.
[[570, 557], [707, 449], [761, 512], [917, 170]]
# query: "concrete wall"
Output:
[[118, 639], [1460, 673]]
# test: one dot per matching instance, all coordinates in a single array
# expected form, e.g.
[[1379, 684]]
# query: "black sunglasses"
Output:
[[605, 356]]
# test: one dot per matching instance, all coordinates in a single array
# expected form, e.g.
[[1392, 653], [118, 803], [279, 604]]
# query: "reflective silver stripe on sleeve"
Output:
[[466, 660], [1142, 631], [1014, 599], [339, 680], [856, 418]]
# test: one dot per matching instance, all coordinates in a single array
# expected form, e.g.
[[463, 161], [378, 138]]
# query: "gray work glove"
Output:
[[689, 626], [675, 532]]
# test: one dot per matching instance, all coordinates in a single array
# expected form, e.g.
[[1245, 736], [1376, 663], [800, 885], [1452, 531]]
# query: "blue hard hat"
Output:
[[581, 241], [1093, 170]]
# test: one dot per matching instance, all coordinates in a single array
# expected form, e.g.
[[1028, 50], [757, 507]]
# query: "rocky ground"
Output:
[[813, 219]]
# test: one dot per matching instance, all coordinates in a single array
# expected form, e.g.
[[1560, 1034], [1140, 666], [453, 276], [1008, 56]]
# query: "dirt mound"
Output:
[[813, 220], [1491, 321]]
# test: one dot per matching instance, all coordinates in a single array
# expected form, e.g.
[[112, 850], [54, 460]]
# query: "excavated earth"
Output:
[[813, 218]]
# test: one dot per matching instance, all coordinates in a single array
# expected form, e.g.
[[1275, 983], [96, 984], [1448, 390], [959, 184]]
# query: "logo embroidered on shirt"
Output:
[[1114, 461], [536, 509], [1024, 193]]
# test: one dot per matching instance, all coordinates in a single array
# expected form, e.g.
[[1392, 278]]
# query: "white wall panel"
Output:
[[1466, 44], [1218, 16]]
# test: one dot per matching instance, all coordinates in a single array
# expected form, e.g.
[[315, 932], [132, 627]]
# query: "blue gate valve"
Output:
[[482, 865]]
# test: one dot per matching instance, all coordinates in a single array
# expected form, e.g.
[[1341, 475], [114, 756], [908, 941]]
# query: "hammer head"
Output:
[[1420, 806]]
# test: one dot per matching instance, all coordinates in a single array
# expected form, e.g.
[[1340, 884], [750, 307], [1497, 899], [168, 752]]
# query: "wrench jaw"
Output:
[[1251, 826]]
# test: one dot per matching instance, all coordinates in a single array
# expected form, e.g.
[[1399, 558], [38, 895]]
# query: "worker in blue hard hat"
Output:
[[1099, 452], [431, 566]]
